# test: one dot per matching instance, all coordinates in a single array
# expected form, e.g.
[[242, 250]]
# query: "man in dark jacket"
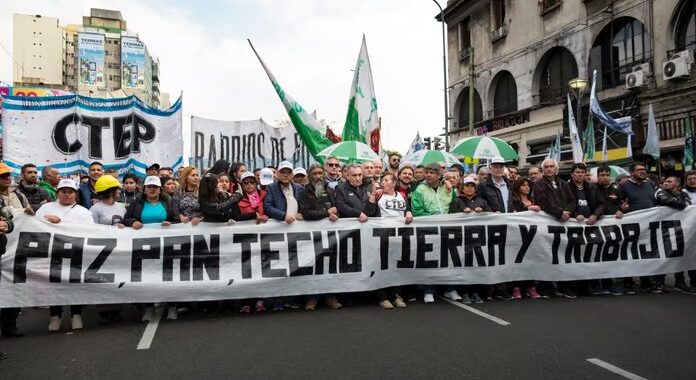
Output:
[[29, 186], [496, 190], [282, 197], [356, 198], [86, 194], [671, 196], [316, 202], [589, 205]]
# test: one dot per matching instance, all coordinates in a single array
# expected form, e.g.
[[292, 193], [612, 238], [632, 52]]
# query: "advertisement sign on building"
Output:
[[132, 63], [91, 59]]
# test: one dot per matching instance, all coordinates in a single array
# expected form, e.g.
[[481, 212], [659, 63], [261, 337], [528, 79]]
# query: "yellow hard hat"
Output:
[[106, 182]]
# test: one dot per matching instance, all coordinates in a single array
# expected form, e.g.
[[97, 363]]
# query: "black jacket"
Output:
[[518, 206], [668, 198], [610, 198], [461, 203], [135, 210], [554, 201], [351, 201], [594, 199], [492, 195], [35, 194], [313, 207], [221, 210], [6, 216]]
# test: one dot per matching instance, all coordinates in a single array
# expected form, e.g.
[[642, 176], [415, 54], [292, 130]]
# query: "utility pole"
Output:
[[472, 83], [444, 73]]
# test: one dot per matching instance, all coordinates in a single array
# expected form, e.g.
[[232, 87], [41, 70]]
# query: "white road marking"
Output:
[[476, 311], [615, 369], [150, 330], [683, 292]]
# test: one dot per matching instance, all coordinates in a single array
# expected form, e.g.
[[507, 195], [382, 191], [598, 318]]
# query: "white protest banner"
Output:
[[69, 132], [254, 143], [48, 264]]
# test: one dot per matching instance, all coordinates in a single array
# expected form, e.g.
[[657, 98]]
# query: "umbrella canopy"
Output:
[[484, 147], [614, 171], [349, 151], [425, 157]]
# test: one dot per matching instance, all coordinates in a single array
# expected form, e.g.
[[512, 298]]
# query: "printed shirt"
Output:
[[392, 205], [110, 215]]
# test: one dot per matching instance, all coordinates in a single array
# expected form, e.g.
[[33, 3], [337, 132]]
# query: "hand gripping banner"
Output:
[[62, 264]]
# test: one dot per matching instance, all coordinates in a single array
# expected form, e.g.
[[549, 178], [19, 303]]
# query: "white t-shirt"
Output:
[[392, 205], [110, 215], [74, 213]]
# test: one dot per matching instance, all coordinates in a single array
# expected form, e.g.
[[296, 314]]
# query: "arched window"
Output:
[[505, 98], [558, 67], [464, 108], [685, 32], [619, 47]]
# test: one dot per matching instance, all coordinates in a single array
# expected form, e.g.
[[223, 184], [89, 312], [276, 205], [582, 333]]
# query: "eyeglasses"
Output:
[[332, 165]]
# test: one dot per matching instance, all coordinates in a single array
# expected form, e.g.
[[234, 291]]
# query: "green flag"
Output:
[[362, 122], [589, 138], [307, 127], [688, 144]]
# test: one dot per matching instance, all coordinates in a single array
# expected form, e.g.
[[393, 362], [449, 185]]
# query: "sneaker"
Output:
[[260, 306], [428, 298], [466, 300], [532, 293], [76, 322], [399, 302], [148, 314], [332, 303], [278, 306], [54, 324], [453, 295], [516, 293], [655, 289], [412, 298], [567, 293], [292, 305], [246, 309], [616, 290], [386, 304], [311, 304], [595, 291], [503, 295], [476, 299], [683, 287], [172, 314]]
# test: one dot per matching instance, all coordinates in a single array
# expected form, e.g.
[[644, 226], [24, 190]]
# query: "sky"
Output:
[[311, 46]]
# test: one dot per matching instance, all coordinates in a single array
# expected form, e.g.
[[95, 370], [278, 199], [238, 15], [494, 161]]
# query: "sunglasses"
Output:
[[333, 165]]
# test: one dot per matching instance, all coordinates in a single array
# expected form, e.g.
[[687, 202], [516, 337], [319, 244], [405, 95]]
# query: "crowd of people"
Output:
[[229, 192]]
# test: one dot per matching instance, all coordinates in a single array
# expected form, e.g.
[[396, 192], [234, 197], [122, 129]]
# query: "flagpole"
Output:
[[444, 73]]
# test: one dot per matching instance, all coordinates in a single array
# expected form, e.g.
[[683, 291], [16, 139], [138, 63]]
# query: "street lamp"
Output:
[[444, 73], [578, 85]]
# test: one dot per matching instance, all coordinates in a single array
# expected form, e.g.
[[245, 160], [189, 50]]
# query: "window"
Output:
[[557, 69], [464, 108], [548, 5], [464, 34], [619, 47], [497, 14], [686, 27], [505, 98]]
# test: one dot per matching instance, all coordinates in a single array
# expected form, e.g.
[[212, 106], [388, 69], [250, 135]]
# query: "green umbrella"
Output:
[[349, 151], [425, 157], [484, 147], [614, 171]]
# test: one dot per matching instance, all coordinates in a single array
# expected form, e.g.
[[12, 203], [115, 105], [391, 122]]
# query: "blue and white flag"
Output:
[[652, 141], [575, 142], [623, 125], [604, 145], [555, 150], [416, 145]]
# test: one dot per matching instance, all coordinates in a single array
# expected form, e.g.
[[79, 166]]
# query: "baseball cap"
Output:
[[154, 166], [433, 166], [249, 174], [67, 182], [266, 176], [468, 179], [459, 167], [497, 160], [284, 165], [152, 181], [4, 169], [299, 171]]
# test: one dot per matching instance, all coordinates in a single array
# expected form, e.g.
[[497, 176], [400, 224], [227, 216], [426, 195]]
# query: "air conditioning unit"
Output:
[[639, 76], [679, 65]]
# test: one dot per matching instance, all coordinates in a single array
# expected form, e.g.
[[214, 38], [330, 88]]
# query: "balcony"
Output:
[[499, 34]]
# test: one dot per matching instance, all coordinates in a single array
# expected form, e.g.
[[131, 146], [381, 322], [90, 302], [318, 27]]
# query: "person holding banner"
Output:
[[432, 197], [29, 186], [250, 205], [356, 197], [333, 173], [8, 316], [215, 205], [50, 177], [522, 201], [186, 198], [107, 210], [87, 192], [689, 190], [65, 209]]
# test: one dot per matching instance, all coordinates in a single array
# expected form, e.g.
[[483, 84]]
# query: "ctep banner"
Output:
[[69, 132], [63, 264], [252, 142]]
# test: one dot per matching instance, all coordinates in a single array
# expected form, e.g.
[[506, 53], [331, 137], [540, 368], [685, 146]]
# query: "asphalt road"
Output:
[[649, 336]]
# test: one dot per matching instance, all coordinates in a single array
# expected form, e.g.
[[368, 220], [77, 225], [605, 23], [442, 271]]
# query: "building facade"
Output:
[[98, 58], [521, 56]]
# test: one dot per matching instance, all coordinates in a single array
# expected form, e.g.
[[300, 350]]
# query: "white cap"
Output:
[[468, 179], [299, 171], [249, 174], [152, 180], [497, 160], [284, 165], [67, 182], [266, 176]]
